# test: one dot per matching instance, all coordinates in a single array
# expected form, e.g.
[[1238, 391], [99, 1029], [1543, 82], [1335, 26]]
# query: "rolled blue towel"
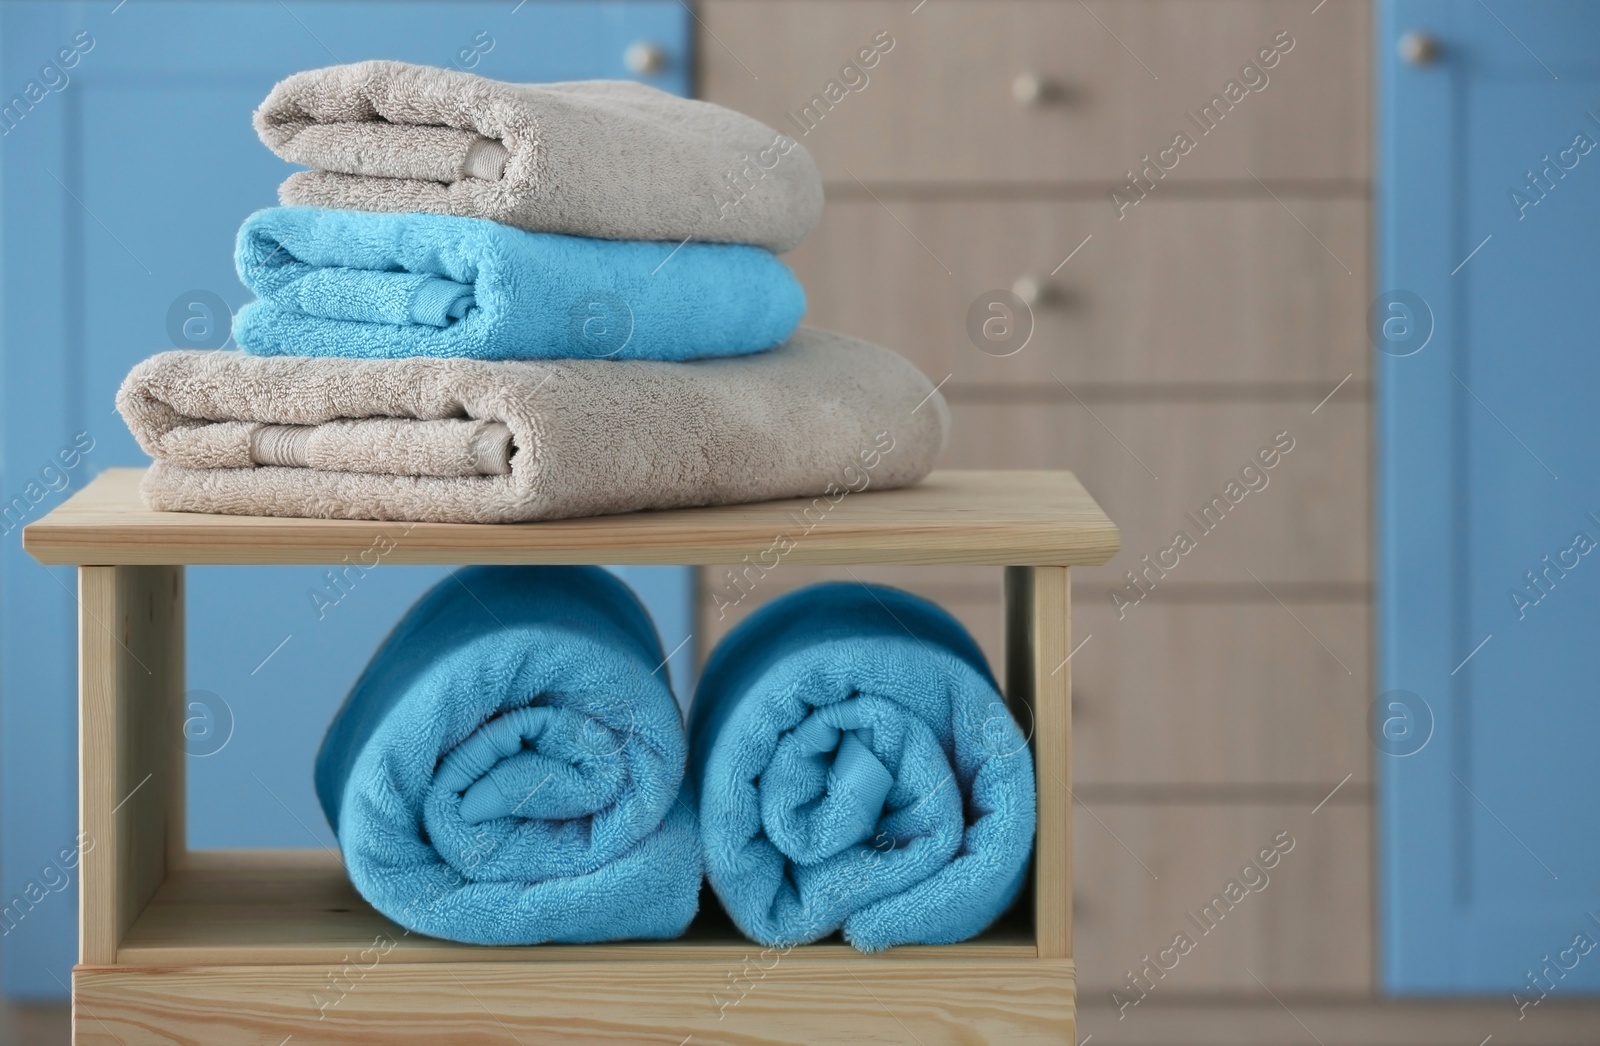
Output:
[[857, 768], [507, 770], [364, 284]]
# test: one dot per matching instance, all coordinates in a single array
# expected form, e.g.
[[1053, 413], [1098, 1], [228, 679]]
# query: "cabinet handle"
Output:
[[1418, 48], [1038, 292], [644, 58], [1034, 89]]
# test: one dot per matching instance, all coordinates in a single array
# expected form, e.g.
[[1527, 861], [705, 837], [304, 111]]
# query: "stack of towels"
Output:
[[488, 303]]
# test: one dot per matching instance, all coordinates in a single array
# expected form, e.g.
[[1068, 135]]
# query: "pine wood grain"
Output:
[[1210, 694], [1144, 868], [1183, 297], [235, 946], [1343, 1018], [971, 593], [1152, 464], [1038, 645], [939, 105], [244, 907], [795, 1002], [1222, 691], [951, 517], [131, 772]]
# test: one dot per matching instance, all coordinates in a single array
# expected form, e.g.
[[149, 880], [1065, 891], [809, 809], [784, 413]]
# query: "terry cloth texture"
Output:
[[507, 769], [354, 284], [605, 158], [857, 768], [400, 439]]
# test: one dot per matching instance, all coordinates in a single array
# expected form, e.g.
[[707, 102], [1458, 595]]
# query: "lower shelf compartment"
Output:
[[276, 946], [262, 907]]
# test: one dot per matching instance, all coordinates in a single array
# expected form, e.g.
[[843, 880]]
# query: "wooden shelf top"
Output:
[[1017, 518], [252, 907]]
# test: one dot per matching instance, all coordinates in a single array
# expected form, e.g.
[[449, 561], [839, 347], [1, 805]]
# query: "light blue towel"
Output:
[[363, 284], [507, 769], [856, 767]]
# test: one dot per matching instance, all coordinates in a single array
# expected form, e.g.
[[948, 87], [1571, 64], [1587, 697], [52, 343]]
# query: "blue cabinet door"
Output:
[[127, 162], [1489, 495]]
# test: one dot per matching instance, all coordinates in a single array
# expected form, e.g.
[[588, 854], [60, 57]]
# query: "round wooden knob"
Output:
[[1418, 48], [1037, 291], [1032, 89], [644, 58]]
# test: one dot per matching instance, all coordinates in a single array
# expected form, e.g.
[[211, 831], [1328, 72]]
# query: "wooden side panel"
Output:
[[1038, 638], [770, 1000], [131, 815]]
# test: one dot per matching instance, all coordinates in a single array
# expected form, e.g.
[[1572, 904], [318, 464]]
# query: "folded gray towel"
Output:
[[604, 158], [473, 441]]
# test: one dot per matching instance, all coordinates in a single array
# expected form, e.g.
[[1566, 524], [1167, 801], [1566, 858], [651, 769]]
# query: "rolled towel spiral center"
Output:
[[535, 762], [825, 789]]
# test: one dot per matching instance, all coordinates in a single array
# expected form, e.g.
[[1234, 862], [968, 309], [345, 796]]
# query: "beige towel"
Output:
[[605, 158], [471, 441]]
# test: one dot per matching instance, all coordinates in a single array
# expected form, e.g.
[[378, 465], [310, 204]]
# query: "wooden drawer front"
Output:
[[1152, 465], [1230, 695], [1196, 291], [1220, 694], [972, 594], [939, 105], [1145, 873]]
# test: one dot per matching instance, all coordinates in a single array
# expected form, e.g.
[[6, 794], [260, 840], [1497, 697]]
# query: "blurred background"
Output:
[[1147, 240]]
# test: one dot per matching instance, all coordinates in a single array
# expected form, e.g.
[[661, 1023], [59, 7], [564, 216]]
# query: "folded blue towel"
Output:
[[856, 767], [362, 284], [507, 770]]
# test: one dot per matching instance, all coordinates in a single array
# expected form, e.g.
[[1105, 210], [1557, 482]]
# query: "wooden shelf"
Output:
[[269, 946], [230, 907], [1023, 518]]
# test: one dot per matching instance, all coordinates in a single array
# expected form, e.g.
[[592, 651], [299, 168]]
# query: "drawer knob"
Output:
[[644, 58], [1037, 291], [1419, 48], [1033, 89]]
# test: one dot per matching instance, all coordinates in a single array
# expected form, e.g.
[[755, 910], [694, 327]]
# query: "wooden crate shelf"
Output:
[[276, 946]]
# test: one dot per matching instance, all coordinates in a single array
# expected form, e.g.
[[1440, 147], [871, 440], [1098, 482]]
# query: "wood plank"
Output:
[[249, 907], [1151, 465], [1225, 295], [100, 782], [131, 771], [995, 517], [1337, 1019], [939, 107], [1201, 695], [733, 1003], [1208, 694], [1145, 873], [1038, 642]]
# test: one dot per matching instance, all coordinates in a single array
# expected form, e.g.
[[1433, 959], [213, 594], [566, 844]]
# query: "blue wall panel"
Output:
[[120, 194]]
